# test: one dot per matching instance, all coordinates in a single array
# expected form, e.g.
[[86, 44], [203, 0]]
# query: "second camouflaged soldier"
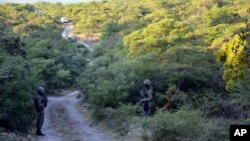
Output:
[[146, 97], [40, 101]]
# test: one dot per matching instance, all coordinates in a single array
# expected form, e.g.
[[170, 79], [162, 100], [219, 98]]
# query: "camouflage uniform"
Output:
[[40, 101], [146, 97]]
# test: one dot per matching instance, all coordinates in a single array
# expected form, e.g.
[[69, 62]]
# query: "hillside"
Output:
[[195, 52]]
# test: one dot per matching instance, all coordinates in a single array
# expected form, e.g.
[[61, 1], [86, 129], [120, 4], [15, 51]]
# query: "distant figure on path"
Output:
[[40, 101], [146, 97]]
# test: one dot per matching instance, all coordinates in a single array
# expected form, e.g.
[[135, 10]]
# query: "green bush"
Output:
[[178, 126], [119, 119], [221, 15], [185, 125], [16, 104], [216, 130], [54, 60], [235, 57]]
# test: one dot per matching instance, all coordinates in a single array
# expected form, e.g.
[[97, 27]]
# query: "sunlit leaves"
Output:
[[235, 55], [156, 37]]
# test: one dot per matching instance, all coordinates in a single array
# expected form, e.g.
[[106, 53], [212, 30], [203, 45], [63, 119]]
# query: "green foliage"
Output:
[[156, 37], [103, 87], [235, 55], [166, 42], [106, 85], [177, 126], [32, 53], [172, 44], [16, 94], [53, 59], [185, 68], [169, 42], [63, 74], [219, 15], [185, 125]]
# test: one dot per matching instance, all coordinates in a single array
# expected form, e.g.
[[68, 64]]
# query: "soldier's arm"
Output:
[[150, 96], [45, 100], [40, 102], [141, 93]]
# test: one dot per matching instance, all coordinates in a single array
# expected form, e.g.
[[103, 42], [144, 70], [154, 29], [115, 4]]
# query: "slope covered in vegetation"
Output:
[[175, 44], [195, 52]]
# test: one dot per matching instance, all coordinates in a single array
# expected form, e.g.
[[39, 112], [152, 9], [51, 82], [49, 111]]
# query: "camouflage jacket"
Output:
[[40, 103], [146, 95]]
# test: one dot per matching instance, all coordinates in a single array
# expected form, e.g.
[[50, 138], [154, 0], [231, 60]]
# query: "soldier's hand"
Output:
[[140, 102]]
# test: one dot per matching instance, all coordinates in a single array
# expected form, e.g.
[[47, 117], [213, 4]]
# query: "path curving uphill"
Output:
[[68, 34], [63, 120]]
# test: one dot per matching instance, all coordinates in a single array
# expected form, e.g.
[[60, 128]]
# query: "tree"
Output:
[[236, 58]]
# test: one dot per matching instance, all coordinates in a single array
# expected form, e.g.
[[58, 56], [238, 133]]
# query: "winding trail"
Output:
[[68, 34], [63, 119], [64, 122]]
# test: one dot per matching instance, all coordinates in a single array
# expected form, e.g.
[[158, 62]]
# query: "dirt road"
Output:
[[68, 34], [64, 122]]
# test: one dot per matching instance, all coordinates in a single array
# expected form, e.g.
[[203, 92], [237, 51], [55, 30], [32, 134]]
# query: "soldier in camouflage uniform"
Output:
[[40, 101], [146, 97]]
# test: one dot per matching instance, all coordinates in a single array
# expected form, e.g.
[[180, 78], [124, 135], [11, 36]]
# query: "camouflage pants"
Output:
[[40, 120], [146, 108]]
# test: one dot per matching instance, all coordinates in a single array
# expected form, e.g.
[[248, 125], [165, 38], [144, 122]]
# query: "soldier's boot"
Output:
[[39, 133]]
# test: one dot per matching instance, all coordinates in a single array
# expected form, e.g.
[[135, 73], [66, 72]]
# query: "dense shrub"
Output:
[[185, 125], [235, 55], [182, 125], [53, 59], [16, 105], [219, 15]]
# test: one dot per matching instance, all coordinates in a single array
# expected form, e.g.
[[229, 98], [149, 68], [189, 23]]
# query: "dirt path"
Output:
[[63, 122], [68, 34], [51, 135]]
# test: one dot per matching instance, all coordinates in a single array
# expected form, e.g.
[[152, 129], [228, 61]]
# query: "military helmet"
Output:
[[40, 90], [147, 82]]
